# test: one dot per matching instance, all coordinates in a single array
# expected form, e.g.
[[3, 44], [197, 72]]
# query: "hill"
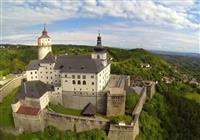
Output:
[[14, 59], [171, 114]]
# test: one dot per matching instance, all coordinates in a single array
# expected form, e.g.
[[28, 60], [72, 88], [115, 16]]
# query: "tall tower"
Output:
[[99, 51], [44, 44]]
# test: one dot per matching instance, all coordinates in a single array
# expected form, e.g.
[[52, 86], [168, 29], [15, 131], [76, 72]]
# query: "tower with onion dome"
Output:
[[44, 44], [99, 51]]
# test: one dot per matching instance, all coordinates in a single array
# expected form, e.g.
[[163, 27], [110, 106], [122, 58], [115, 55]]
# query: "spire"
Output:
[[99, 40], [99, 47], [44, 32]]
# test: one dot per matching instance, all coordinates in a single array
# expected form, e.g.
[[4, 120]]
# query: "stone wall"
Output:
[[140, 103], [31, 123], [129, 132], [116, 99], [9, 87], [78, 100], [77, 124]]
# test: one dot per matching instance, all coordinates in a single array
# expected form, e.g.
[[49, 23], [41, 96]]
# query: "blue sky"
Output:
[[168, 25]]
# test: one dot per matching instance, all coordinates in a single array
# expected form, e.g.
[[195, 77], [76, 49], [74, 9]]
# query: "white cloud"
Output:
[[21, 14], [118, 35], [165, 12]]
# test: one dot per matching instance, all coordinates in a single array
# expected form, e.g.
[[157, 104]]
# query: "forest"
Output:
[[174, 111]]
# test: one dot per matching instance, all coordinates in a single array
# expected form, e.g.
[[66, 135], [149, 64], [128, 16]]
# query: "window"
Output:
[[65, 75], [80, 89], [46, 77], [35, 76], [84, 77], [65, 80], [92, 89], [31, 77], [31, 73], [50, 68], [98, 56], [92, 76], [51, 77], [73, 82], [84, 82], [79, 82], [73, 76], [92, 83], [41, 76], [36, 72], [79, 76], [41, 72], [82, 68]]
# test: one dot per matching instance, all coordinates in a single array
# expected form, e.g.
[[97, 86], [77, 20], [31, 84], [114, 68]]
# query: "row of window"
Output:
[[79, 76], [81, 93], [79, 82]]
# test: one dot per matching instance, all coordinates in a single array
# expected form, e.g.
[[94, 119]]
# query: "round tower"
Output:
[[99, 51], [44, 44]]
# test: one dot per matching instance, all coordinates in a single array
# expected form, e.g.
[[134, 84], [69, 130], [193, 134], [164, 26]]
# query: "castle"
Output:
[[81, 82]]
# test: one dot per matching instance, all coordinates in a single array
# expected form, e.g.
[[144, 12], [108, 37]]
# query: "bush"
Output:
[[131, 101], [124, 118]]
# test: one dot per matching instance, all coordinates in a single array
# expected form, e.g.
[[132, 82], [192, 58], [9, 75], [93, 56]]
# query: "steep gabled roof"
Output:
[[49, 58], [78, 64], [32, 89], [89, 110], [33, 65]]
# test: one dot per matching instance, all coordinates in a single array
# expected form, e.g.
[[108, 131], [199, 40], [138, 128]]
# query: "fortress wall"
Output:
[[77, 124], [140, 103], [9, 87], [80, 100], [55, 98], [29, 122], [129, 132], [117, 132]]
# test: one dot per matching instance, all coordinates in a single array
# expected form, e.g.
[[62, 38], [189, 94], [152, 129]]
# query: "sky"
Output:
[[166, 25]]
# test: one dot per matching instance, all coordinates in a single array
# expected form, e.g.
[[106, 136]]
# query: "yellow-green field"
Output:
[[193, 96], [6, 119]]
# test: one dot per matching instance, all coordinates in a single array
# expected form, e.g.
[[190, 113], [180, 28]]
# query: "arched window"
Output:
[[84, 82], [98, 57], [79, 82], [73, 82]]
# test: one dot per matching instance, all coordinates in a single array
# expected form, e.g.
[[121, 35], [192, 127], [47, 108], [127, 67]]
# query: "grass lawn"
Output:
[[6, 119], [63, 110], [193, 96]]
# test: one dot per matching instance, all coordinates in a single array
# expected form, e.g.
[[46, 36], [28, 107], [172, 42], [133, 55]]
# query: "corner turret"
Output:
[[44, 44]]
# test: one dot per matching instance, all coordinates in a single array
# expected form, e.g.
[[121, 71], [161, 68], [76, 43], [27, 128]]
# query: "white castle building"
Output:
[[70, 72], [80, 82]]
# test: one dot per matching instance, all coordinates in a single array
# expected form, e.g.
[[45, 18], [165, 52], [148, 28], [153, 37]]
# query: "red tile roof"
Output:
[[28, 110]]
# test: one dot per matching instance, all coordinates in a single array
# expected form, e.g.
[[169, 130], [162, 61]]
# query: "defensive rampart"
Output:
[[77, 124], [8, 87], [129, 132]]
